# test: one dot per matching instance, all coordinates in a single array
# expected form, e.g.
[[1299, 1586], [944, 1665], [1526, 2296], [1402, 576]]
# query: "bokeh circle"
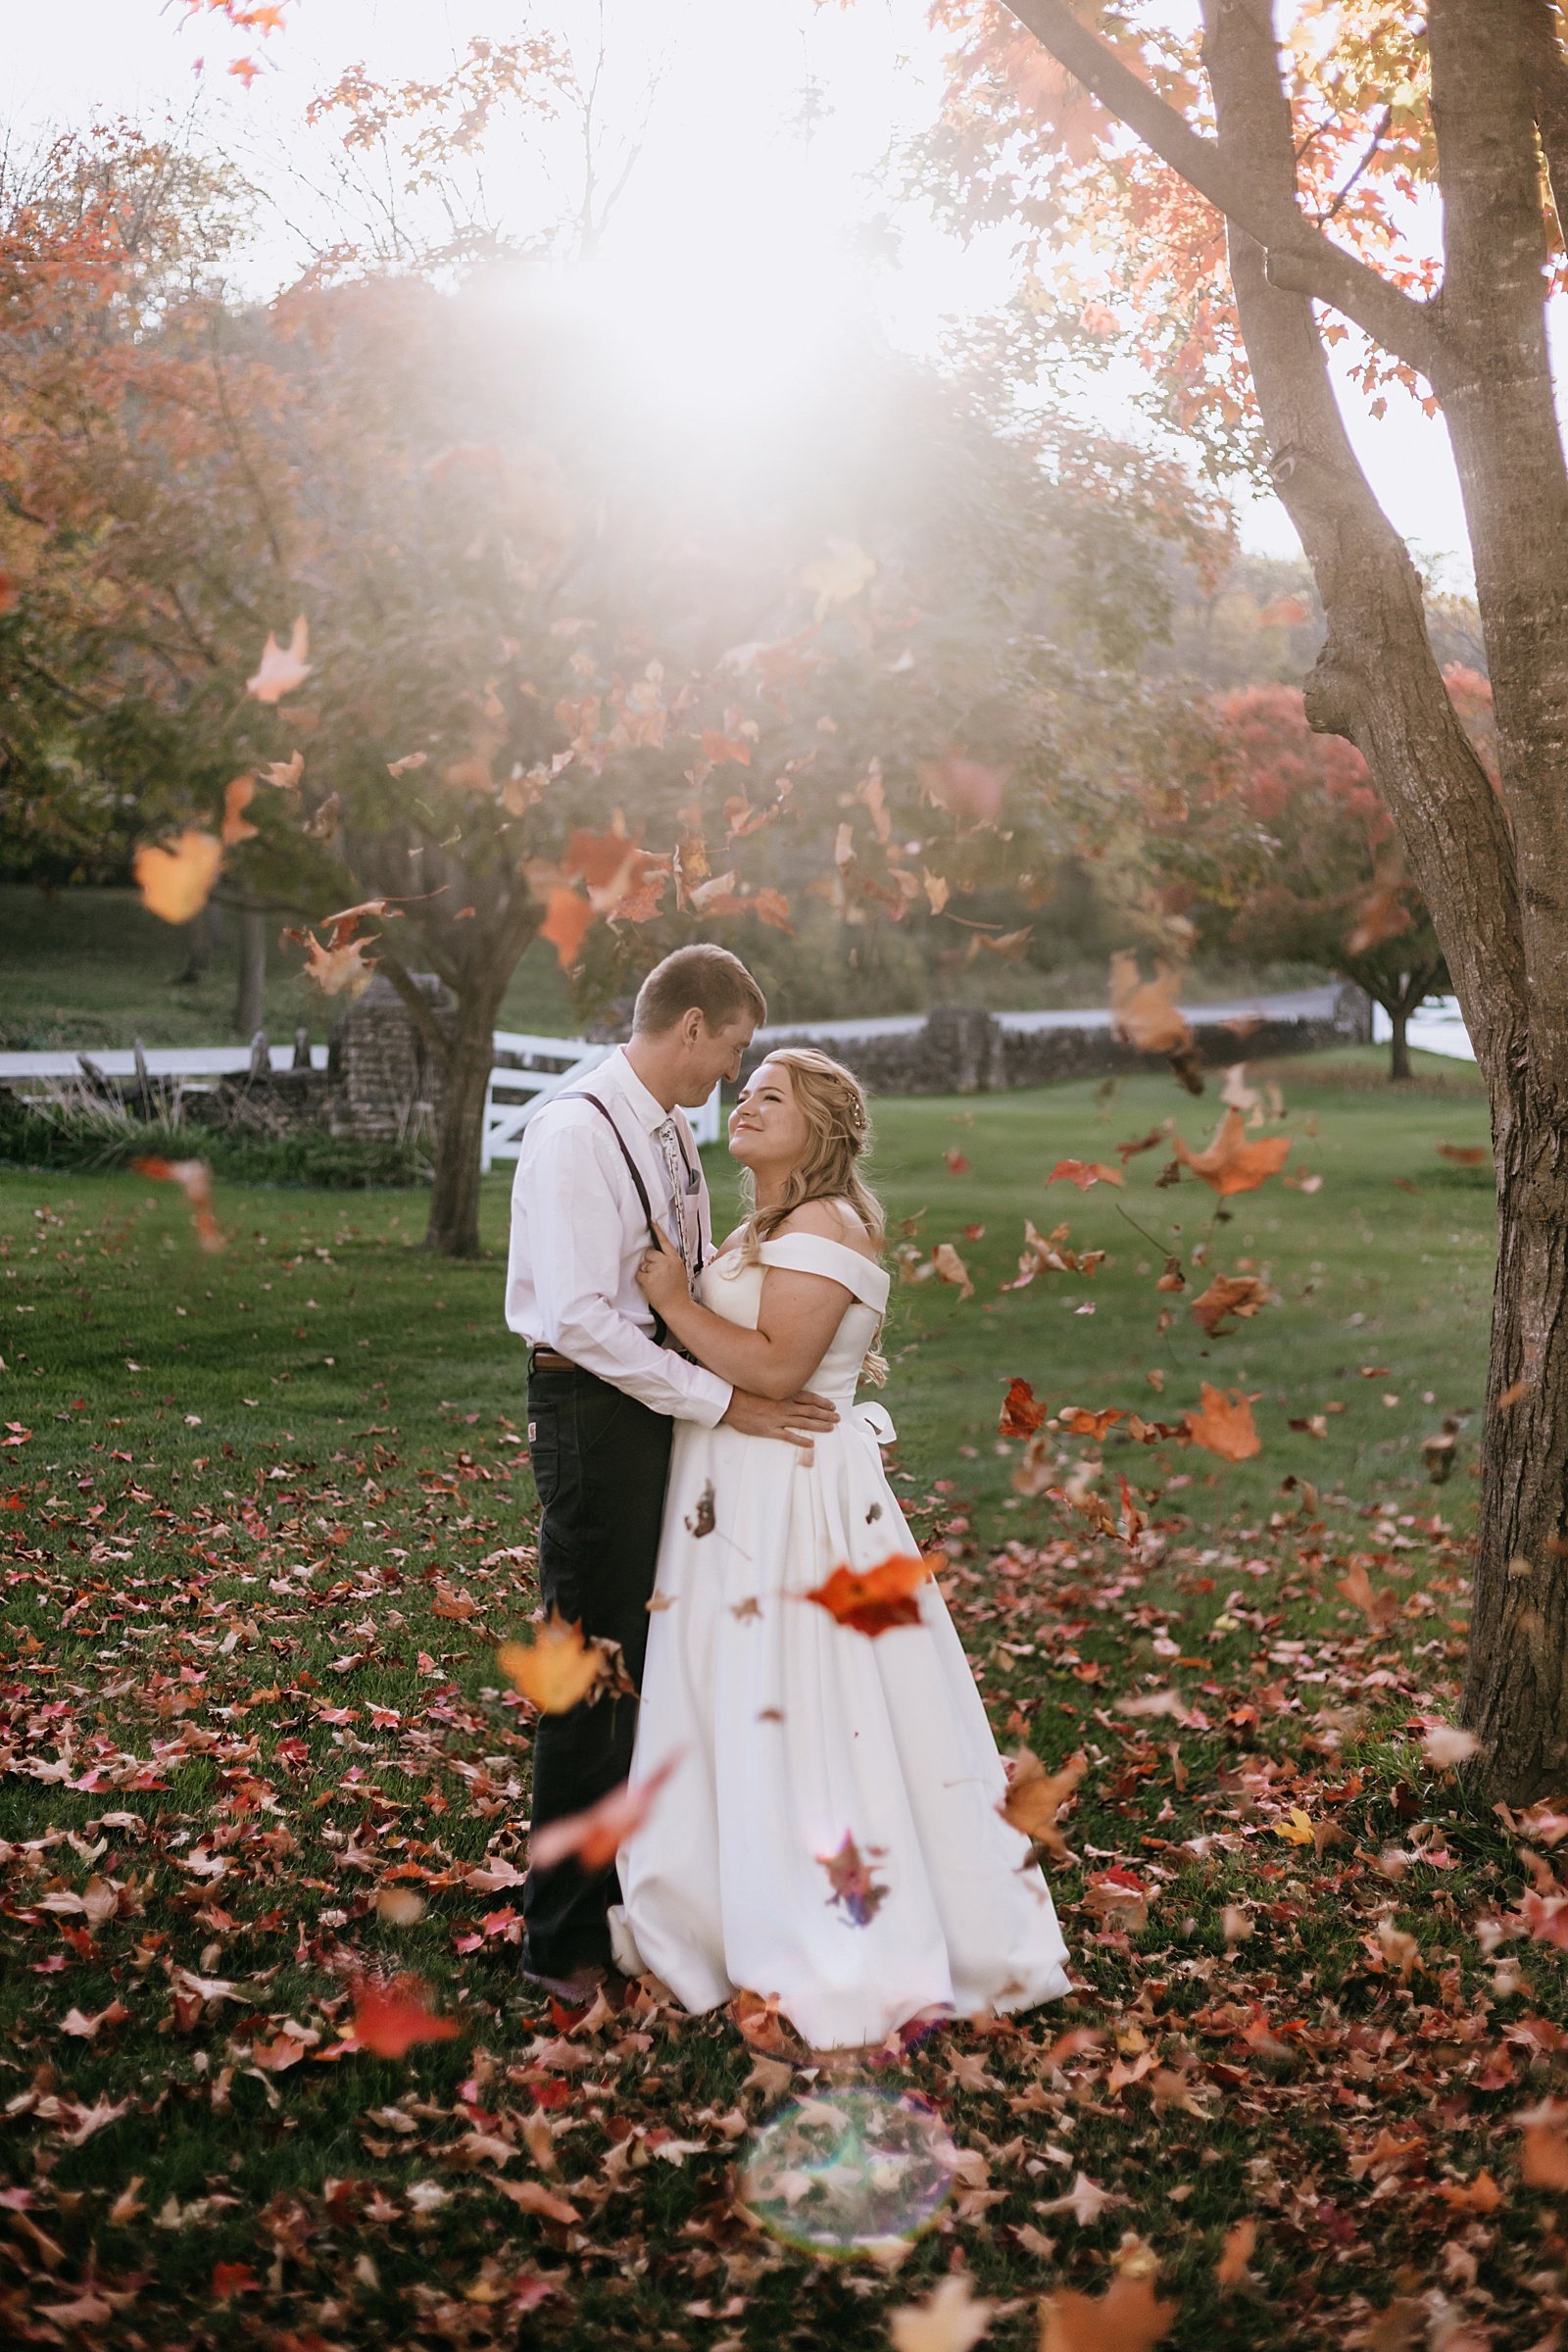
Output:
[[848, 2170]]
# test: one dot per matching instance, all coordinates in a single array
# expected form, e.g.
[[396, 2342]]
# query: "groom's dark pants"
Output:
[[601, 1461]]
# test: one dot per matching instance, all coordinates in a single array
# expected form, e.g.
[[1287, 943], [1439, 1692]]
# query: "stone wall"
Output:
[[963, 1050], [380, 1081]]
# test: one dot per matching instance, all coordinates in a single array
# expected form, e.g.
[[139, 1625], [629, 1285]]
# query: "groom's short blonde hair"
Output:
[[708, 977]]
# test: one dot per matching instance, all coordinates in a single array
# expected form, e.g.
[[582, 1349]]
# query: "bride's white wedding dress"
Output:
[[797, 1731]]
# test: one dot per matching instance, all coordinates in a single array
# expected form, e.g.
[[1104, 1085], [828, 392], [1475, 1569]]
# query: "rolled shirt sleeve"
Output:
[[570, 1181]]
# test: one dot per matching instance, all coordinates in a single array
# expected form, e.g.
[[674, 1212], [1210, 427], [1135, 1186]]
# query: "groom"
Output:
[[598, 1166]]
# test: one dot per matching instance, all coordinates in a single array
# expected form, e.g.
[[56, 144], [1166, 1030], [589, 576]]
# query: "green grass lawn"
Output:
[[267, 1513]]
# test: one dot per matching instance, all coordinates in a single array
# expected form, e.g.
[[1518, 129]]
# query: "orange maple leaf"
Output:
[[176, 877], [1227, 1295], [1223, 1423], [850, 1876], [1229, 1162], [555, 1669], [1021, 1413], [1079, 1422], [1126, 2318], [774, 907], [872, 1600], [1035, 1797], [389, 2019]]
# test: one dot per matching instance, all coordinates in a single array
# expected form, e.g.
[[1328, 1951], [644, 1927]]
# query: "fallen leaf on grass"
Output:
[[873, 1599]]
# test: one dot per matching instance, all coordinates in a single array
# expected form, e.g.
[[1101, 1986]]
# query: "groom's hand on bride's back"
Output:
[[800, 1419]]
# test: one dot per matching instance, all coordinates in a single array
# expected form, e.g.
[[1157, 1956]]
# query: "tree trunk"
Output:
[[1399, 1043], [201, 940], [249, 1005], [453, 1229], [1516, 1688]]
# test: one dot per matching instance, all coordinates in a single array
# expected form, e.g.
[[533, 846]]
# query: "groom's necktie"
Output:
[[676, 1169]]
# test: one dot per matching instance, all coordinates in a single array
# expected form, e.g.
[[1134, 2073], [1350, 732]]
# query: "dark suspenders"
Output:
[[661, 1328]]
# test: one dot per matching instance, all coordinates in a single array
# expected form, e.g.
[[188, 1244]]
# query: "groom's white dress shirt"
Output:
[[577, 1233]]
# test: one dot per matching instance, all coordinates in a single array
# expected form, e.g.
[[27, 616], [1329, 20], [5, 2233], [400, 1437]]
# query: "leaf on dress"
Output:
[[873, 1599], [555, 1669], [701, 1521], [850, 1876]]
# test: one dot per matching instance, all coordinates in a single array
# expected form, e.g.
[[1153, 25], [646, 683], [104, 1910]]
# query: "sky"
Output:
[[768, 122]]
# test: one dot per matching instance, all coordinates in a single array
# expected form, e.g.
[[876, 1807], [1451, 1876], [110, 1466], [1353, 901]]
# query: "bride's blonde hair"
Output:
[[838, 1138]]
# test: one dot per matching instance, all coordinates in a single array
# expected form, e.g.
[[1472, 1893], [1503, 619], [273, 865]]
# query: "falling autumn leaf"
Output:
[[948, 1266], [873, 1599], [1228, 1294], [568, 919], [1464, 1155], [1447, 1743], [557, 1669], [237, 798], [281, 667], [968, 789], [1079, 1422], [700, 1520], [1127, 2318], [1223, 1424], [176, 877], [389, 2019], [838, 575], [597, 1834], [340, 965], [1145, 1013], [1229, 1162], [1021, 1415], [850, 1876], [285, 773], [951, 2319], [1240, 2242], [195, 1180], [1035, 1797], [1085, 1172]]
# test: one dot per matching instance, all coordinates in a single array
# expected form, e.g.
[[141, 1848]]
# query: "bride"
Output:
[[829, 1835]]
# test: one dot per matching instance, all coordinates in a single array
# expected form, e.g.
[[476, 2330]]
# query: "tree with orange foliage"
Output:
[[1280, 847], [1238, 203]]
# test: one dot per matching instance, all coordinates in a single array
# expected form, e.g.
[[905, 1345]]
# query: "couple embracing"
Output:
[[828, 1832]]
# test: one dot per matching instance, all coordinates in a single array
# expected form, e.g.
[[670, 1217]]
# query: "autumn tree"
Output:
[[1251, 198], [1279, 846]]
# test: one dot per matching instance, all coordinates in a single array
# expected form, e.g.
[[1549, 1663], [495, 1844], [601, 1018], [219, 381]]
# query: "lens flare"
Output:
[[849, 2171]]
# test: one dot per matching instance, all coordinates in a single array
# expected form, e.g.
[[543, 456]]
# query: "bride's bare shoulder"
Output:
[[833, 1221]]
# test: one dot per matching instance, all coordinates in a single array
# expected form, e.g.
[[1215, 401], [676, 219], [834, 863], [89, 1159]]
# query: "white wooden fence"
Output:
[[535, 1068]]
